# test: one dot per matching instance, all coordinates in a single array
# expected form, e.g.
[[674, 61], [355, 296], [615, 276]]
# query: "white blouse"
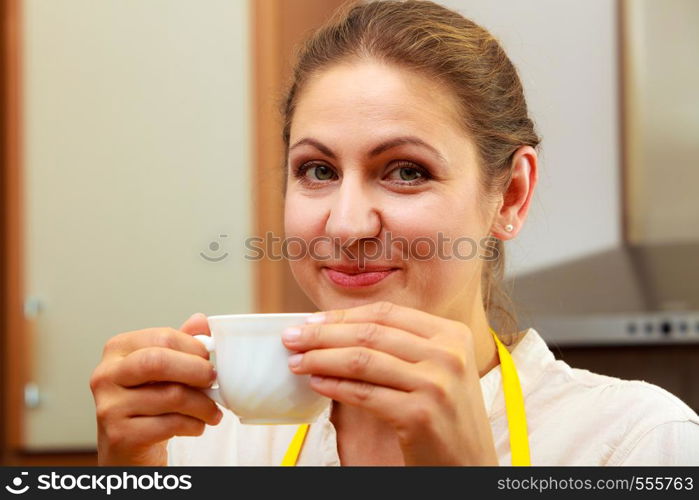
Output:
[[574, 417]]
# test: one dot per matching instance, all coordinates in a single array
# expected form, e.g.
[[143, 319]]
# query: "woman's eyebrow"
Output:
[[377, 150]]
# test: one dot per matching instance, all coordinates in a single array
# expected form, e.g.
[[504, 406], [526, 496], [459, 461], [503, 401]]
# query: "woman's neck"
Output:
[[485, 350], [485, 353]]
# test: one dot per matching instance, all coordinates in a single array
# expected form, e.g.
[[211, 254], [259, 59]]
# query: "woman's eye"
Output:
[[310, 173], [321, 172], [408, 174]]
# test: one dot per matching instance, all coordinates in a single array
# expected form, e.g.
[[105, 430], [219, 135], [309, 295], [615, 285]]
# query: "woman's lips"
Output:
[[355, 280]]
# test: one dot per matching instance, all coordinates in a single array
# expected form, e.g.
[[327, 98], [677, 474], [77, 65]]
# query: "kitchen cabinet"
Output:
[[136, 165]]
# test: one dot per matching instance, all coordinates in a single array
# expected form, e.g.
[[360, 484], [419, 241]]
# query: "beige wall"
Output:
[[137, 158]]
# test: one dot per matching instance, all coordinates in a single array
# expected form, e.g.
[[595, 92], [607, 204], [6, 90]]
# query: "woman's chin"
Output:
[[328, 296]]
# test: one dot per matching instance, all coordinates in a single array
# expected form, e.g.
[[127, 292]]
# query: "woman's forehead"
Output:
[[359, 107], [369, 94]]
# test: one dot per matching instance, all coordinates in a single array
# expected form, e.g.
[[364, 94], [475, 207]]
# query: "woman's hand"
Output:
[[412, 369], [145, 391]]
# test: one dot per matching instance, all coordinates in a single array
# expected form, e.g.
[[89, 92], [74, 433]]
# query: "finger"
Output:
[[152, 430], [385, 313], [157, 364], [398, 343], [382, 401], [358, 363], [128, 342], [197, 324], [162, 398]]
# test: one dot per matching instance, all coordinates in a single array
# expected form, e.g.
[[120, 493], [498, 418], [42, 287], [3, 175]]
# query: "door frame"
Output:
[[12, 327], [277, 27]]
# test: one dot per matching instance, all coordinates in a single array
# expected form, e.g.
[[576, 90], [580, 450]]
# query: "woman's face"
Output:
[[379, 162]]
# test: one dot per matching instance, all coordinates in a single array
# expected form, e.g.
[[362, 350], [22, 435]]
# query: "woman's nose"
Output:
[[353, 213]]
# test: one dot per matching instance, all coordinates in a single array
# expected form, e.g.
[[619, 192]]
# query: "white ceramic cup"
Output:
[[254, 379]]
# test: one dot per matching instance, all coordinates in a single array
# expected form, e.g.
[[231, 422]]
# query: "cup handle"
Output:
[[212, 392]]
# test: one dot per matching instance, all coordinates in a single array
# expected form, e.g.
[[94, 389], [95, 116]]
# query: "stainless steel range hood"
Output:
[[631, 294], [647, 289], [629, 279]]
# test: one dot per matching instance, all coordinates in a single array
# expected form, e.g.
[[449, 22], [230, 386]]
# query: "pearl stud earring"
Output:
[[509, 227]]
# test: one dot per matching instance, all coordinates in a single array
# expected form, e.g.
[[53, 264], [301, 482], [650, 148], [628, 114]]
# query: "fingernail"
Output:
[[214, 375], [316, 379], [295, 359], [218, 417], [316, 318], [291, 334]]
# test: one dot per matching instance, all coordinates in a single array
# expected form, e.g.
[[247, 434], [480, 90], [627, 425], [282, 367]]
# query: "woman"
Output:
[[405, 120]]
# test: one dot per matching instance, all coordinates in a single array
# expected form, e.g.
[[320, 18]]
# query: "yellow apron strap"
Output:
[[514, 405], [292, 454]]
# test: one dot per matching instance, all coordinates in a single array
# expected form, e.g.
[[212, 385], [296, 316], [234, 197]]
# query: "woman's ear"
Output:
[[517, 196]]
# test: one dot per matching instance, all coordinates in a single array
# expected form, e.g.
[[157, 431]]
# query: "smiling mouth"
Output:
[[356, 279]]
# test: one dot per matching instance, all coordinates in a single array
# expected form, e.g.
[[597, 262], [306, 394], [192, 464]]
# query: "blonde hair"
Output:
[[439, 43]]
